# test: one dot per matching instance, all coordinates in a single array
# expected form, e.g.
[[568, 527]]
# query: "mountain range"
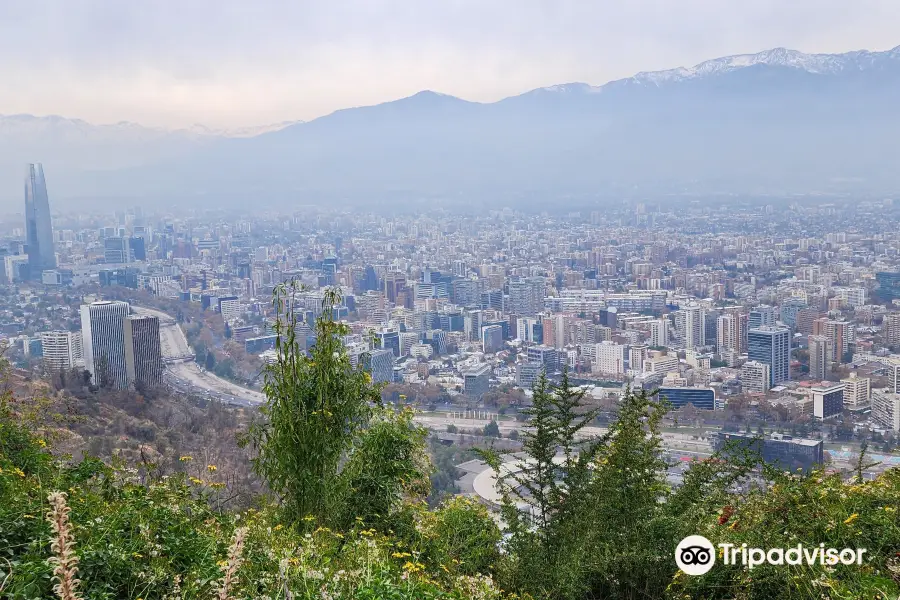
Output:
[[776, 122]]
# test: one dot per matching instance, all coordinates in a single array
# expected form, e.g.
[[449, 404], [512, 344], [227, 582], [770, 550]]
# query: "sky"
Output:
[[235, 63]]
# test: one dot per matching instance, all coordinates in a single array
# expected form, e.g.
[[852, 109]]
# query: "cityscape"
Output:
[[460, 301], [746, 308]]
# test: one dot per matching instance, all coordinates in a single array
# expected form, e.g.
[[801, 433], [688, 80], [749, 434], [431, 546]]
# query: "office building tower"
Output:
[[115, 250], [476, 381], [143, 353], [103, 334], [526, 296], [492, 299], [886, 409], [772, 346], [62, 350], [828, 401], [468, 292], [690, 323], [472, 327], [659, 333], [38, 227], [379, 364], [394, 284], [388, 339], [545, 355], [491, 339], [857, 392], [820, 355], [761, 316], [890, 329], [755, 376], [408, 339], [527, 373], [138, 248]]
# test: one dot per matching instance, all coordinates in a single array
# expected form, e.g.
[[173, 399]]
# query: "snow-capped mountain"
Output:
[[820, 64], [778, 121]]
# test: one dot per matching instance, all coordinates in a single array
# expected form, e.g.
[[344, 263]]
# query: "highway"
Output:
[[185, 374]]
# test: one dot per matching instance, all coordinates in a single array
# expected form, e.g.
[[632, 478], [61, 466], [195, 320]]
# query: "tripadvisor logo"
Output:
[[696, 555]]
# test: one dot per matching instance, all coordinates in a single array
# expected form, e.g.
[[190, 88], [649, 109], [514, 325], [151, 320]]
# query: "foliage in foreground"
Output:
[[603, 522], [162, 540]]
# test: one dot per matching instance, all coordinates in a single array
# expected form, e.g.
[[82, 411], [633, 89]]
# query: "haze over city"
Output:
[[508, 300]]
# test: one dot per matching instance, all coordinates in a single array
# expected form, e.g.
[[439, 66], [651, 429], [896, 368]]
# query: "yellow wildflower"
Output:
[[279, 527], [42, 443], [186, 458], [18, 471], [211, 468], [851, 518]]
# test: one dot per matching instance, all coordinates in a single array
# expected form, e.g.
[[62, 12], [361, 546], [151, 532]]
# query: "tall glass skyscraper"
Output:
[[38, 231]]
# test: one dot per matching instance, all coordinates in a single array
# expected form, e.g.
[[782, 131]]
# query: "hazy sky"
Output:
[[229, 63]]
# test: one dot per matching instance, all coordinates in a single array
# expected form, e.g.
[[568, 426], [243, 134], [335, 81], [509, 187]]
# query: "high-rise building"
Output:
[[731, 330], [115, 250], [388, 339], [842, 336], [230, 307], [886, 409], [637, 354], [379, 364], [828, 401], [690, 323], [476, 381], [755, 376], [857, 392], [526, 296], [609, 359], [820, 355], [890, 329], [772, 346], [103, 332], [143, 354], [62, 350], [491, 339], [38, 228], [761, 316], [659, 333], [527, 373]]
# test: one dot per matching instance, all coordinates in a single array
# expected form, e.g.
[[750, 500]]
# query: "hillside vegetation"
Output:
[[345, 515]]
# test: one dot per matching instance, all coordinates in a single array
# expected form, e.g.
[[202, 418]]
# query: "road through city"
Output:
[[183, 373]]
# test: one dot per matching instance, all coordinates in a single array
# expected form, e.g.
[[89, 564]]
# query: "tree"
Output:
[[210, 361], [492, 429], [326, 445]]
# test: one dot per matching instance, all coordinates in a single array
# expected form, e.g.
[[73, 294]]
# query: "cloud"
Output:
[[233, 62]]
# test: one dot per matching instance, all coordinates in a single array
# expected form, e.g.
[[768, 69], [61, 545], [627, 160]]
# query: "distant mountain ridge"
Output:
[[778, 121]]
